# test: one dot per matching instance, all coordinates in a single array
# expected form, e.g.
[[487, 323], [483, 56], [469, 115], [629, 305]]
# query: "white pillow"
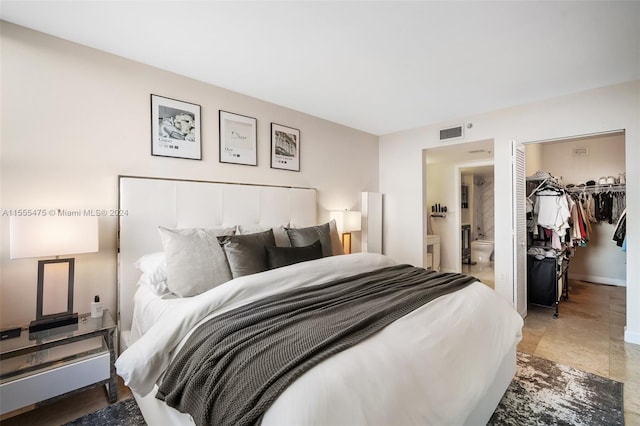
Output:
[[279, 233], [159, 288], [195, 260], [153, 267]]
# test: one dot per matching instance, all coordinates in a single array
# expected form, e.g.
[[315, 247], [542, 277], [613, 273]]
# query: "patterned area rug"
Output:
[[122, 413], [542, 393], [546, 393]]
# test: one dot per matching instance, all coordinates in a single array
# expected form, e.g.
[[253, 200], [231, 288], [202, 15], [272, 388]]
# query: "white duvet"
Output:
[[430, 367]]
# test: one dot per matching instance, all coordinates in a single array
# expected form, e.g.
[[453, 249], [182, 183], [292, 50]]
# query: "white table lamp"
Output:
[[46, 236], [347, 221]]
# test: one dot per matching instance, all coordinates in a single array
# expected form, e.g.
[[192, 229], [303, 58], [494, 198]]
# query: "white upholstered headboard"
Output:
[[148, 202]]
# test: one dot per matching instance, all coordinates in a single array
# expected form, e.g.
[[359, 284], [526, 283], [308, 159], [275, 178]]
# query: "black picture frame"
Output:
[[238, 142], [176, 128], [285, 147]]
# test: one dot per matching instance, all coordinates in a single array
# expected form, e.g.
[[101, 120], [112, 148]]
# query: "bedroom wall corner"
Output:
[[74, 118]]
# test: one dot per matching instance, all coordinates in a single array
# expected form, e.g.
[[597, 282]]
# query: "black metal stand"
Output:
[[53, 322]]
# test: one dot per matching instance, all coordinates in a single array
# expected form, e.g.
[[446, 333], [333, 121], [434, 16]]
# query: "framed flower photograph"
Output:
[[285, 148], [175, 128], [238, 139]]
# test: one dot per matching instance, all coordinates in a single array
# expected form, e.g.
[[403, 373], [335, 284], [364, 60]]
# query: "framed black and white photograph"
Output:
[[175, 128], [285, 148], [238, 139]]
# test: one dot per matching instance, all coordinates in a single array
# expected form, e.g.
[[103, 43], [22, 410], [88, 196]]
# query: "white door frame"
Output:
[[519, 228], [513, 214]]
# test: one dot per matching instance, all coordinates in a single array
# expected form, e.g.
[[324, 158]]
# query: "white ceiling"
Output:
[[380, 67]]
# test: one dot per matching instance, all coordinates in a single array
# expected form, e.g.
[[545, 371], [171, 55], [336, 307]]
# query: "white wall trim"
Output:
[[598, 280]]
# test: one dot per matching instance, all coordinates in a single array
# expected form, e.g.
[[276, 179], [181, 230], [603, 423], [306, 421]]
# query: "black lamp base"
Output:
[[53, 322]]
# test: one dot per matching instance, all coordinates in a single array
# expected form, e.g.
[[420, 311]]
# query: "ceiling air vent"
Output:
[[451, 133], [581, 152]]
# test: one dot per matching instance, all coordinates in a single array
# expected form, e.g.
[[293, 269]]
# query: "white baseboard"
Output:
[[631, 337], [599, 280]]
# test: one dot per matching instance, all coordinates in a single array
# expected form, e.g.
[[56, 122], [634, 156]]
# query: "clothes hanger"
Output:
[[537, 187]]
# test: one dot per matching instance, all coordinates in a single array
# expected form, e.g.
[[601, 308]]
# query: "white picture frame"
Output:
[[238, 139]]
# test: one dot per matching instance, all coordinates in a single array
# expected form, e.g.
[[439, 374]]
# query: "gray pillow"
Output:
[[279, 233], [195, 261], [301, 237], [246, 253]]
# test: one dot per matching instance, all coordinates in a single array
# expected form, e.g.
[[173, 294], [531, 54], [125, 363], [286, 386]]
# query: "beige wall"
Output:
[[533, 158], [74, 118]]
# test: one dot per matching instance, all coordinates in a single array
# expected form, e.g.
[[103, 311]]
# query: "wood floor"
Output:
[[64, 410], [588, 335]]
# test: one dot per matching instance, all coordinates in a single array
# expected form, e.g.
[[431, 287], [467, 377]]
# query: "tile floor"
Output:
[[483, 273], [588, 335]]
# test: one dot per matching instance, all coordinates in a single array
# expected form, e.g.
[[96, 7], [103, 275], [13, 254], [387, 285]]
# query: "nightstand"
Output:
[[42, 367], [432, 254]]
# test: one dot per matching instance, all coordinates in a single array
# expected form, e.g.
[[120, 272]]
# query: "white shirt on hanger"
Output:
[[553, 211]]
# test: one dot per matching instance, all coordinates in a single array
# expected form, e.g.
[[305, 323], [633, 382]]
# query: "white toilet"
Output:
[[481, 251]]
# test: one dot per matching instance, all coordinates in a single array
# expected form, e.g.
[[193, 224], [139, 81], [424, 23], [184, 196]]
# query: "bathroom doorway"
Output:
[[477, 221], [442, 189]]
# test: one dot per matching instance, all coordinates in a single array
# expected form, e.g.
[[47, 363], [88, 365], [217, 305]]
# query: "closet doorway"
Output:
[[591, 164]]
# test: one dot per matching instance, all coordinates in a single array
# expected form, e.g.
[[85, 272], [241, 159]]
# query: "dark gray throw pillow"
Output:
[[283, 256], [246, 253], [301, 237]]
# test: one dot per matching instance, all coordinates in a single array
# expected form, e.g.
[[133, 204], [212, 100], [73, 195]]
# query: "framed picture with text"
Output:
[[285, 148], [238, 139], [175, 128]]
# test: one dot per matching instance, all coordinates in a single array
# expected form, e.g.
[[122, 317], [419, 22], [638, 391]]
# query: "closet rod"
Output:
[[598, 188], [549, 180]]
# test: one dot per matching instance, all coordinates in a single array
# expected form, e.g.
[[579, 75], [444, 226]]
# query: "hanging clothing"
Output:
[[553, 211], [605, 207], [618, 205], [575, 233], [620, 232], [584, 223], [591, 208]]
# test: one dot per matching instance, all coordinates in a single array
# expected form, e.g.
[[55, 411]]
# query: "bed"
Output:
[[447, 362]]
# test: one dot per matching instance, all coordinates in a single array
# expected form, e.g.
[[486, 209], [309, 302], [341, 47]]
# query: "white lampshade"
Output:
[[352, 221], [347, 220], [42, 236]]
